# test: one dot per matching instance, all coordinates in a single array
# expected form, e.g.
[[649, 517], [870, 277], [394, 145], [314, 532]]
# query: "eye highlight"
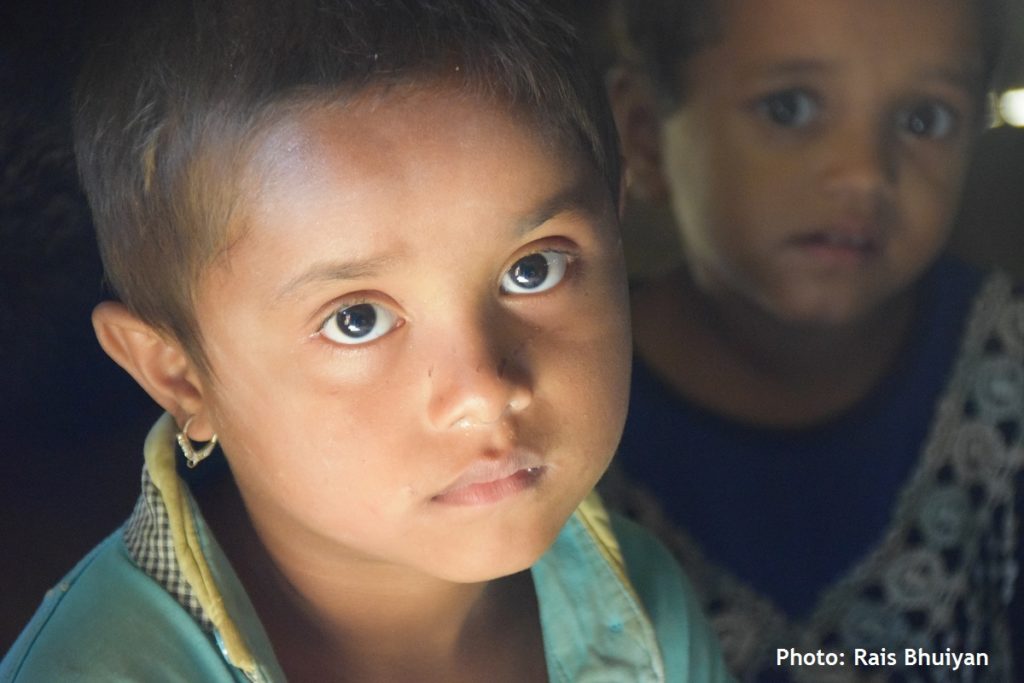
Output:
[[359, 324], [535, 273], [932, 120], [794, 108]]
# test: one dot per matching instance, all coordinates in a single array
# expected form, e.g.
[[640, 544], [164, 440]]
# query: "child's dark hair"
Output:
[[659, 36], [172, 96]]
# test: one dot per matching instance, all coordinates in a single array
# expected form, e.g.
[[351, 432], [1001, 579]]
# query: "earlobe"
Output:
[[158, 364], [636, 116]]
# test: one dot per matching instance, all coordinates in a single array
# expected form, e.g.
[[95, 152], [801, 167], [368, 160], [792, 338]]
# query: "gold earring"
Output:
[[192, 456]]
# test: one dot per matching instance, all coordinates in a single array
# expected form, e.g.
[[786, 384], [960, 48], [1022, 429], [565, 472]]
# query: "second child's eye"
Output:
[[359, 324], [789, 108], [929, 120], [535, 273]]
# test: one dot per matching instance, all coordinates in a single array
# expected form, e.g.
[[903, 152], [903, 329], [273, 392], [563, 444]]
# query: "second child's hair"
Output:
[[660, 36], [176, 92]]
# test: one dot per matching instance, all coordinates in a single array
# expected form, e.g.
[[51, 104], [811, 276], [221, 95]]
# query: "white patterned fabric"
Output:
[[943, 574]]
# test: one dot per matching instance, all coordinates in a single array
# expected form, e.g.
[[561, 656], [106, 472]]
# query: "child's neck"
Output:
[[738, 361], [371, 623]]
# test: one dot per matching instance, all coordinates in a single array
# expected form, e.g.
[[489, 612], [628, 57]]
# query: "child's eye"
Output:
[[359, 324], [789, 108], [929, 120], [535, 273]]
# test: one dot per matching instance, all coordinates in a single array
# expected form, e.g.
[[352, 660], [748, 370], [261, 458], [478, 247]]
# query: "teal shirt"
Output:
[[614, 605]]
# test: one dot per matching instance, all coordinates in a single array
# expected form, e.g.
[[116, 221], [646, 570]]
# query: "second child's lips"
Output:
[[840, 244]]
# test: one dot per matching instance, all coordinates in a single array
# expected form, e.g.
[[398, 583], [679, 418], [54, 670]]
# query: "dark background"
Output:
[[71, 422]]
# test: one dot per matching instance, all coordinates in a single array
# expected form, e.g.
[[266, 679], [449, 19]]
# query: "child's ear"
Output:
[[636, 115], [159, 365]]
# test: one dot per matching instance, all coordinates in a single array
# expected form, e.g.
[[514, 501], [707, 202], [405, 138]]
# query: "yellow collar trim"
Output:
[[160, 458]]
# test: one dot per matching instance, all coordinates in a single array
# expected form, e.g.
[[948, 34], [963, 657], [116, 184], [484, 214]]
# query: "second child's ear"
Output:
[[636, 116], [159, 365]]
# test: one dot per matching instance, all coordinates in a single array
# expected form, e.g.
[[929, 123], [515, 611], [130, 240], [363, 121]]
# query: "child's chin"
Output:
[[824, 311], [509, 555]]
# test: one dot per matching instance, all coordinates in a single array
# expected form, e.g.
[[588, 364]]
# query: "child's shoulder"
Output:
[[107, 620]]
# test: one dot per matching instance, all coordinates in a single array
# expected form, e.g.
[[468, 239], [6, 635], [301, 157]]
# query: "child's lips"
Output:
[[847, 244], [488, 480]]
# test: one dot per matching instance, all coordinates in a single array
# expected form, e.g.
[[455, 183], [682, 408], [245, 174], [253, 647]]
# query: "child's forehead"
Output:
[[330, 158], [779, 18], [933, 29], [411, 123]]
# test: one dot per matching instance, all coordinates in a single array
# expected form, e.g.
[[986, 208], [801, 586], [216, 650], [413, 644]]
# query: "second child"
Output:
[[827, 413]]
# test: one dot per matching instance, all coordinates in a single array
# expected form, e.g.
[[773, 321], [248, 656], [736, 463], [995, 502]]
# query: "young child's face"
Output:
[[420, 341], [816, 162]]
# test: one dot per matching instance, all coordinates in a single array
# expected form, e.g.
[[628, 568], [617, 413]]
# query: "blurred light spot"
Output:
[[1011, 107]]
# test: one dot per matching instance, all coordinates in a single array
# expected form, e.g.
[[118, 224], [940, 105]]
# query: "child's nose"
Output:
[[476, 379], [861, 161]]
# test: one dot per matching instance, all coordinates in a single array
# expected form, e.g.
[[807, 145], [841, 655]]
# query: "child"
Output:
[[370, 251], [827, 412]]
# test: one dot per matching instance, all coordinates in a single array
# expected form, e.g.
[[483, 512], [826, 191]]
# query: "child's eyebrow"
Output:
[[330, 271], [579, 198], [960, 77], [963, 78]]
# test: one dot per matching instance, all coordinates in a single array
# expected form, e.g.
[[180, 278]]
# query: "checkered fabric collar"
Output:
[[147, 535], [163, 537]]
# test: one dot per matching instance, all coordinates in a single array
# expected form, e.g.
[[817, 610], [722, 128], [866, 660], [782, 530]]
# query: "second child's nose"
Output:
[[474, 379], [860, 162]]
